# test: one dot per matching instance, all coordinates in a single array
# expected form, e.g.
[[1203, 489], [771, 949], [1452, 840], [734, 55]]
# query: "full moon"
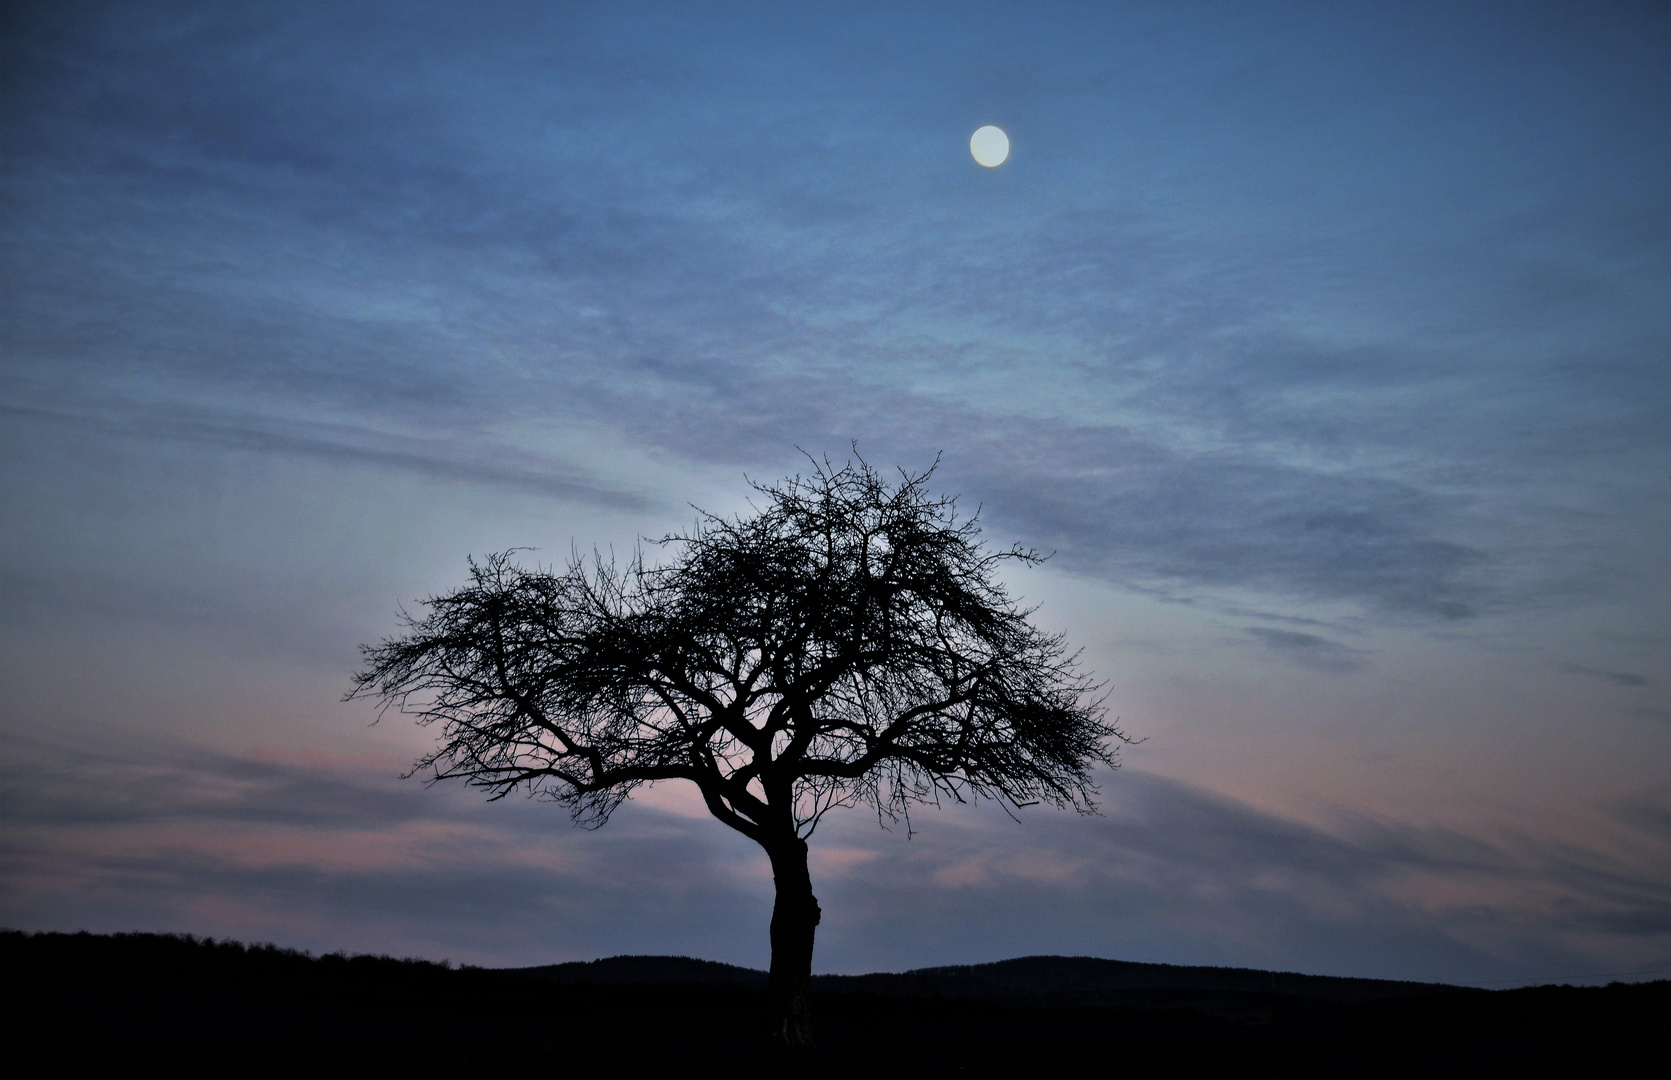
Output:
[[990, 146]]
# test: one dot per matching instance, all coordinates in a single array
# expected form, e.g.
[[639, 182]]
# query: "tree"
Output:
[[846, 643]]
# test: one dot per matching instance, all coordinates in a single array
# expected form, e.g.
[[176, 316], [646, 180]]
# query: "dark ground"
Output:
[[134, 1000]]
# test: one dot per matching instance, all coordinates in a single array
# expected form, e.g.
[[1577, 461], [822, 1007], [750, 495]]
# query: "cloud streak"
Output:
[[1164, 409], [334, 855], [442, 459], [1307, 650], [1617, 678]]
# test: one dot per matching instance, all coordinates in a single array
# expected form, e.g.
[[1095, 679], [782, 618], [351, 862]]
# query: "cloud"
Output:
[[1177, 387], [454, 459], [1617, 678], [1307, 650], [331, 855], [1648, 812], [55, 786], [1111, 501], [1173, 872]]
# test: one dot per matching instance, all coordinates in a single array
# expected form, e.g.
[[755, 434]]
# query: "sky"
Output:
[[1327, 346]]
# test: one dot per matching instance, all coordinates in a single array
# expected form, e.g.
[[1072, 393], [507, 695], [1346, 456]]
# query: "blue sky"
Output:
[[1326, 345]]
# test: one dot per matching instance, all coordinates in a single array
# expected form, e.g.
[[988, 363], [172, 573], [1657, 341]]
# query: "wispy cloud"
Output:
[[1173, 870], [1307, 650], [455, 457], [335, 854], [1617, 678], [536, 230]]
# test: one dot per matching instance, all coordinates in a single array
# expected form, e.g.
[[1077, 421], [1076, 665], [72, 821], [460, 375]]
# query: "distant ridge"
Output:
[[1080, 980], [206, 1007], [1092, 980]]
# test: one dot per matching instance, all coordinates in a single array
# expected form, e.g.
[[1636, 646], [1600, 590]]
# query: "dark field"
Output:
[[133, 1000]]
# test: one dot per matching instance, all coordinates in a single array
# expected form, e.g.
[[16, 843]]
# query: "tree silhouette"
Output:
[[846, 643]]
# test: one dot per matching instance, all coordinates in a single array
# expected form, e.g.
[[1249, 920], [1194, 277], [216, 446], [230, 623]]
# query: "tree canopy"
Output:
[[849, 642]]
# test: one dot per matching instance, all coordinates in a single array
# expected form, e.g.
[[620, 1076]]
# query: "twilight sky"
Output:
[[1327, 345]]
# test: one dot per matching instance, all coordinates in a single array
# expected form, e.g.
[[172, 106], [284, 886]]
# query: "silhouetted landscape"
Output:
[[152, 999], [837, 488]]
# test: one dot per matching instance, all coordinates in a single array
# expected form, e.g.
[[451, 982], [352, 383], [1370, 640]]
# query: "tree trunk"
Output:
[[794, 920]]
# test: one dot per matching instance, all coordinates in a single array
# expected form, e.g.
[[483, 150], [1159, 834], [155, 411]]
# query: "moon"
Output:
[[990, 146]]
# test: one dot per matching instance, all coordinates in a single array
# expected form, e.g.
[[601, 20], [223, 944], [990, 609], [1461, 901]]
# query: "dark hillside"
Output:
[[131, 1000], [647, 971], [1057, 980], [1089, 980]]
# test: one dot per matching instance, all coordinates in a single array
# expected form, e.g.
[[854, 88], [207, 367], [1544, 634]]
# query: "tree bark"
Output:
[[794, 921]]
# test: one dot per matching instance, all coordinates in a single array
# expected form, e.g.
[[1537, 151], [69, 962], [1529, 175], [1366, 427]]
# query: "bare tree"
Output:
[[846, 643]]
